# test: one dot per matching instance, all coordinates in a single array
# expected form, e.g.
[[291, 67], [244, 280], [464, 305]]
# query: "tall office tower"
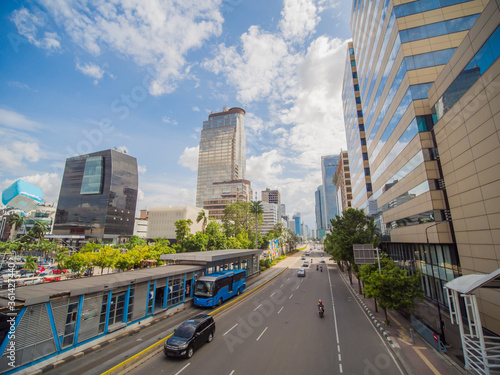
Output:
[[328, 168], [465, 97], [271, 217], [342, 180], [98, 197], [222, 162], [398, 50], [296, 221], [318, 210]]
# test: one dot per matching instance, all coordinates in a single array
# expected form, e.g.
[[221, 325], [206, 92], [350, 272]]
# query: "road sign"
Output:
[[435, 337]]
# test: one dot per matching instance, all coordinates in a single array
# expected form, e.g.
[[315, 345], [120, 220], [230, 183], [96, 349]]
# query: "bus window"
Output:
[[203, 289]]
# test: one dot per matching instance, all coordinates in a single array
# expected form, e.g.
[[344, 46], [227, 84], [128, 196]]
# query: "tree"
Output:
[[237, 218], [76, 263], [393, 288], [202, 216], [135, 241], [105, 258], [198, 242], [90, 247], [39, 229], [353, 227], [257, 210], [182, 231], [30, 263], [61, 256], [217, 239], [16, 221]]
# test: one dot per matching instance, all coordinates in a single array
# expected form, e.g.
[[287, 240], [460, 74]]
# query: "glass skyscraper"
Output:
[[397, 53], [222, 162], [98, 196], [328, 169]]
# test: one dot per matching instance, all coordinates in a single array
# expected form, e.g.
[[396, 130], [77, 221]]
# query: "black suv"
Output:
[[189, 336]]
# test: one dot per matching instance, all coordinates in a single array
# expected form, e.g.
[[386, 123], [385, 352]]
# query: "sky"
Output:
[[142, 75]]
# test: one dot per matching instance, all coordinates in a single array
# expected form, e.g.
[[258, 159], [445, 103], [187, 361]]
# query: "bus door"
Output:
[[230, 287]]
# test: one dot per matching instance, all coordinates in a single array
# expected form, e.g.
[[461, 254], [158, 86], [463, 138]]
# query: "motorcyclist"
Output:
[[321, 306], [321, 268], [316, 267]]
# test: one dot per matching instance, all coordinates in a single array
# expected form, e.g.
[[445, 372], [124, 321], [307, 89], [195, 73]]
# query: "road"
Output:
[[278, 331]]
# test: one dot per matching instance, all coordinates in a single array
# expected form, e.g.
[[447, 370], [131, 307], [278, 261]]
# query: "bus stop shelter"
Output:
[[481, 352]]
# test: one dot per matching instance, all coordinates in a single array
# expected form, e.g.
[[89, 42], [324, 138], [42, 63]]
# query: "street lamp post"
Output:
[[441, 323]]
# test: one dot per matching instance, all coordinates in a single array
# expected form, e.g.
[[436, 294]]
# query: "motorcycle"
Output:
[[321, 311], [321, 268], [316, 267]]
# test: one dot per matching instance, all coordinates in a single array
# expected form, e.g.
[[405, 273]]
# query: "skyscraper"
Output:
[[398, 51], [342, 181], [328, 168], [318, 210], [222, 162], [98, 197]]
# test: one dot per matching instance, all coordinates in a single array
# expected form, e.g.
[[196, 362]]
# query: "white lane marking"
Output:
[[374, 328], [290, 296], [265, 329], [333, 307], [281, 309], [340, 357], [231, 373], [257, 307], [297, 287], [272, 294], [338, 348], [340, 367], [229, 329], [282, 285], [182, 369]]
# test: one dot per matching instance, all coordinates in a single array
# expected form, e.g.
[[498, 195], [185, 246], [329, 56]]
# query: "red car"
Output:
[[57, 271]]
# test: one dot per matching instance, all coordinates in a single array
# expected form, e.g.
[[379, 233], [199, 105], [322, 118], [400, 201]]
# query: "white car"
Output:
[[322, 260]]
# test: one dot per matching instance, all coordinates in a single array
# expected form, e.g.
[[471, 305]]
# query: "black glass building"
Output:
[[98, 196]]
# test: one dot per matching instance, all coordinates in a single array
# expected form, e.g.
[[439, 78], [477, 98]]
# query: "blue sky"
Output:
[[83, 76]]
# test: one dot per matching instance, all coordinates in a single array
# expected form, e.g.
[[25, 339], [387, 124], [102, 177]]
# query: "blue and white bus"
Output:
[[213, 289]]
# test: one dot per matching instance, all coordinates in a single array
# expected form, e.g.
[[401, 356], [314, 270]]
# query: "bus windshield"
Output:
[[203, 288]]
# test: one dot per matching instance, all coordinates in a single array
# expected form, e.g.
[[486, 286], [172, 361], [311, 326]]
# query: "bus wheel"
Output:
[[238, 292], [220, 302]]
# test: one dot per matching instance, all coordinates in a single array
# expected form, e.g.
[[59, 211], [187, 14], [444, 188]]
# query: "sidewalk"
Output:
[[416, 355]]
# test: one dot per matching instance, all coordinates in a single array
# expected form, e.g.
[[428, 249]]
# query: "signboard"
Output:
[[364, 254]]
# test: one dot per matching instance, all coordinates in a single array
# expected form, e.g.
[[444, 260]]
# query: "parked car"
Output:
[[301, 272], [56, 271], [27, 273], [189, 336], [31, 281], [6, 274]]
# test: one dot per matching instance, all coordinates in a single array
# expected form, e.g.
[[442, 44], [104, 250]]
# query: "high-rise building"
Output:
[[296, 221], [271, 196], [398, 51], [98, 197], [328, 168], [342, 181], [318, 210], [222, 162], [271, 217], [465, 98]]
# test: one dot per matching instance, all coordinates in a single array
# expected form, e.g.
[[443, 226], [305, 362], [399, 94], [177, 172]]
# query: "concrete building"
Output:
[[318, 210], [271, 217], [296, 223], [222, 162], [98, 197], [342, 181], [466, 100], [161, 221], [409, 150]]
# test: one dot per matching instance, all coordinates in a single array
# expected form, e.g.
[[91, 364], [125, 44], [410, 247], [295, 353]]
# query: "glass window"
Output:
[[438, 28], [92, 176]]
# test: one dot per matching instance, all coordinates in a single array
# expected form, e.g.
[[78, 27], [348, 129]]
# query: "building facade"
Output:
[[222, 162], [328, 168], [271, 217], [98, 197], [318, 210], [342, 181], [466, 100], [296, 222], [161, 221], [399, 49]]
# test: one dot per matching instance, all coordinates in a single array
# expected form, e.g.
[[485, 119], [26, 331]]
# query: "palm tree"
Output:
[[39, 229], [16, 221], [202, 216], [256, 209], [30, 263]]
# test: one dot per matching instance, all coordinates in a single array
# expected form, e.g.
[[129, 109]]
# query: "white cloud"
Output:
[[50, 183], [123, 149], [28, 23], [160, 193], [152, 33], [13, 154], [17, 121], [299, 19], [91, 70], [189, 158], [167, 120], [142, 169], [196, 109], [264, 67], [266, 168], [20, 85]]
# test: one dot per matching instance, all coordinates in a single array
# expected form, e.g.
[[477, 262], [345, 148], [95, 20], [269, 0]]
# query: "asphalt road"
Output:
[[278, 331]]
